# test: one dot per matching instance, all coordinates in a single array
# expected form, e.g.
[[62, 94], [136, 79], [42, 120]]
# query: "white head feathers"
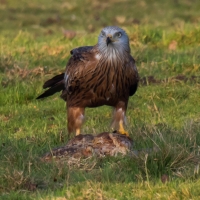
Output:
[[113, 43]]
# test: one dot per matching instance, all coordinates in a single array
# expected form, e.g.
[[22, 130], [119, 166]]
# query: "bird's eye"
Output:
[[119, 34], [103, 33]]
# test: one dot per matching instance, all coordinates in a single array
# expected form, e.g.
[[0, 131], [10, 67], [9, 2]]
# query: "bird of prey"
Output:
[[103, 74]]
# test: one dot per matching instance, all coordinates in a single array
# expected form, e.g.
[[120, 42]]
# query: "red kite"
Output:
[[103, 74]]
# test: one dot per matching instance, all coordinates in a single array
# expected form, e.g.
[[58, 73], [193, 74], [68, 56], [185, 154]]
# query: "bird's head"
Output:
[[113, 40]]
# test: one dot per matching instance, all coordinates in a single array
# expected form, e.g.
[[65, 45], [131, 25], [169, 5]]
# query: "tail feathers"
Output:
[[56, 84], [51, 82]]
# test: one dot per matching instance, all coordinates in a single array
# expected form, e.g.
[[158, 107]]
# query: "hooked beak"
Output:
[[108, 41]]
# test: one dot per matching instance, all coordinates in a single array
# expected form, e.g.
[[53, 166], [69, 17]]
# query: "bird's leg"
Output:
[[75, 117], [119, 117]]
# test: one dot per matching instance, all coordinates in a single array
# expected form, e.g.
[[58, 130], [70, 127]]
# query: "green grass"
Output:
[[165, 41]]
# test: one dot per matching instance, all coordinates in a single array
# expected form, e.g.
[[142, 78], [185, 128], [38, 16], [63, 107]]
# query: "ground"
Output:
[[35, 40]]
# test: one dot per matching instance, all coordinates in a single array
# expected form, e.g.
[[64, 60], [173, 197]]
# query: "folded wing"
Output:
[[58, 82]]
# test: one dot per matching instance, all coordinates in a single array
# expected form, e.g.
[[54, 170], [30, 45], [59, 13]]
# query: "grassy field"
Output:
[[35, 40]]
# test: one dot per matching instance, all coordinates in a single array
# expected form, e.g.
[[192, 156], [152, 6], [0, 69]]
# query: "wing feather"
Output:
[[132, 77], [58, 83], [80, 69], [53, 81]]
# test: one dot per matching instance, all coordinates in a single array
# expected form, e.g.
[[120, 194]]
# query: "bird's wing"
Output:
[[53, 81], [57, 83], [78, 51], [131, 76], [79, 68]]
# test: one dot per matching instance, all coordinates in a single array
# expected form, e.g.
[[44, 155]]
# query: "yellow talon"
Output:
[[121, 129], [78, 131]]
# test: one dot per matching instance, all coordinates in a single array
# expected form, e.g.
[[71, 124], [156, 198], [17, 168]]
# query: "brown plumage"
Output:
[[104, 74]]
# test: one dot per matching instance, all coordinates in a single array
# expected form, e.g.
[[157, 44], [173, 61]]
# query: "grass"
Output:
[[35, 45]]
